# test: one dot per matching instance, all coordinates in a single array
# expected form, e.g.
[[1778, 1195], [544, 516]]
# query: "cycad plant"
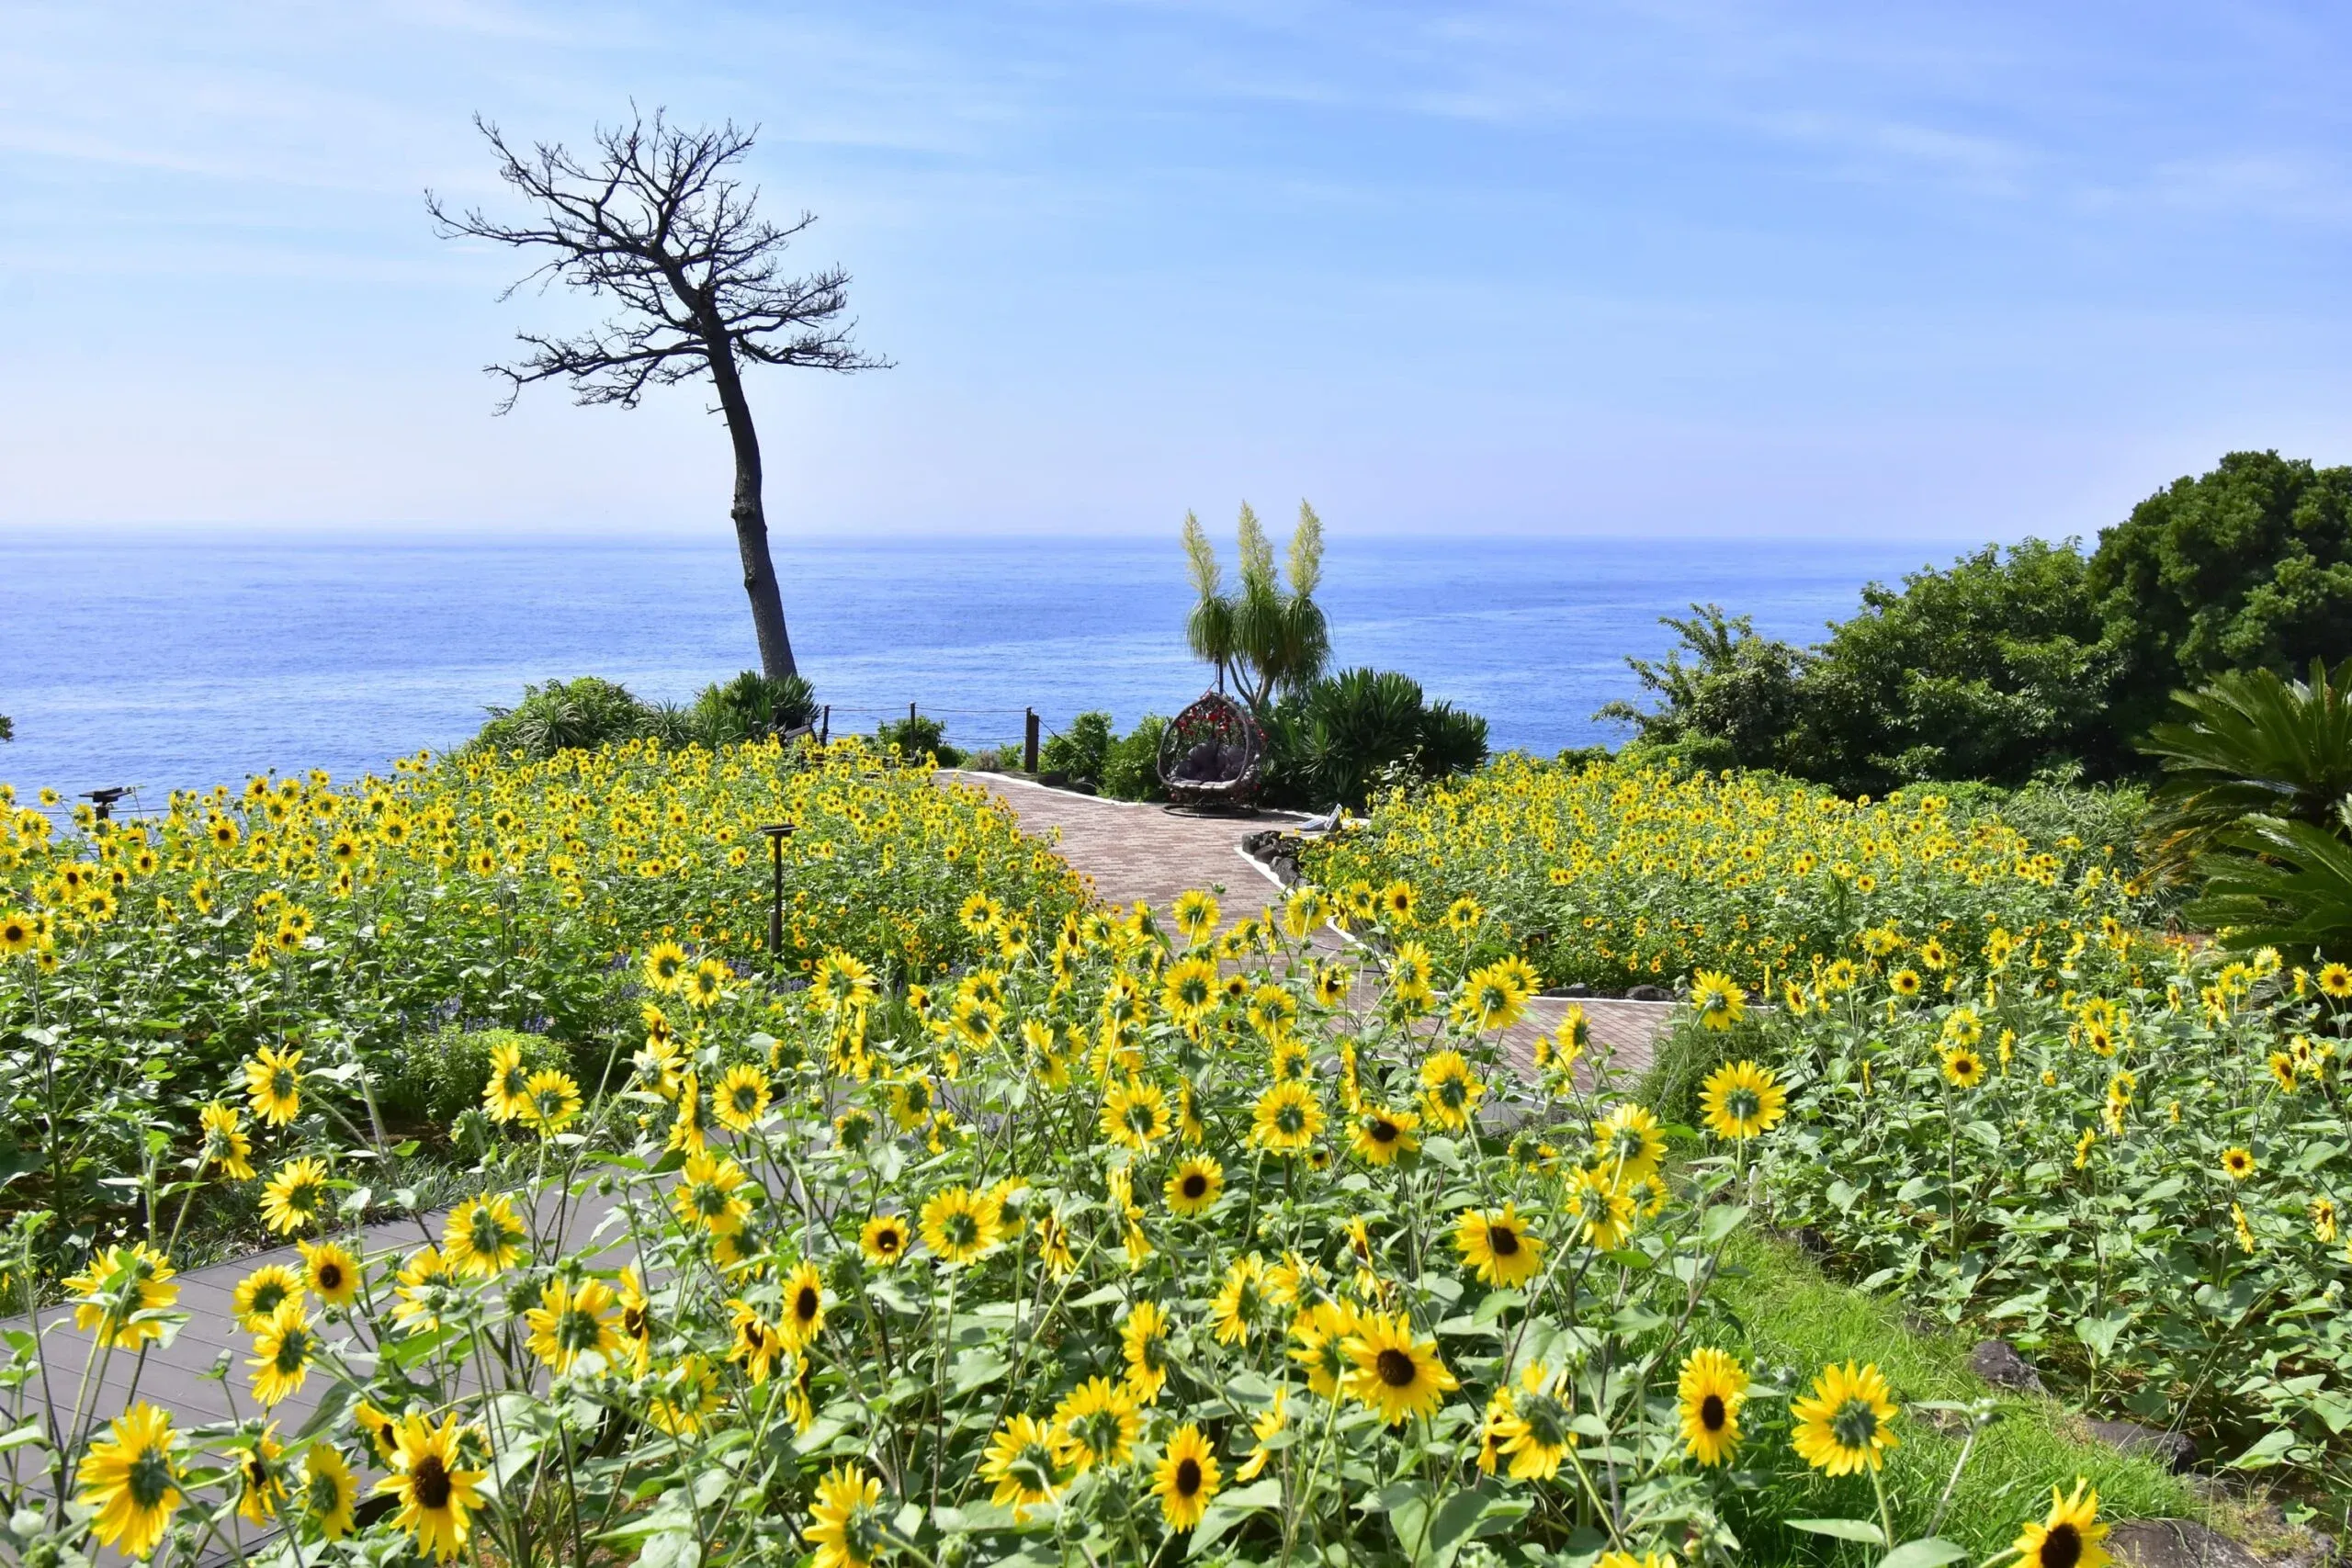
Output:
[[1264, 638], [2252, 745]]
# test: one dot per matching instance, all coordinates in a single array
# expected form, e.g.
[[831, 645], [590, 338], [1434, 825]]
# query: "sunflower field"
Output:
[[1117, 1246], [2130, 1157], [141, 961], [1614, 875]]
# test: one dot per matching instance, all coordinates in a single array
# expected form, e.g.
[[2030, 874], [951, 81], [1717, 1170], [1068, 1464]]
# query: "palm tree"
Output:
[[1264, 638]]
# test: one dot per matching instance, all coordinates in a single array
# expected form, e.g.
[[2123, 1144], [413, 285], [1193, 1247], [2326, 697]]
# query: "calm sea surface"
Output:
[[172, 661]]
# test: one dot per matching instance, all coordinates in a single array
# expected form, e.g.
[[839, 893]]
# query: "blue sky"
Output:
[[1948, 273]]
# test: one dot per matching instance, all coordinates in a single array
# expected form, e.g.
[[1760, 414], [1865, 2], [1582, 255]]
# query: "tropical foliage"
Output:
[[1264, 637], [1114, 1248], [1613, 874], [140, 959]]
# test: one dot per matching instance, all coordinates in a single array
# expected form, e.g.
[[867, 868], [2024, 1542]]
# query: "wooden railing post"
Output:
[[1029, 744]]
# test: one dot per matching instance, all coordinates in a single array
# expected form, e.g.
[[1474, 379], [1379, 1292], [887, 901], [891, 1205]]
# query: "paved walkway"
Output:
[[1131, 849]]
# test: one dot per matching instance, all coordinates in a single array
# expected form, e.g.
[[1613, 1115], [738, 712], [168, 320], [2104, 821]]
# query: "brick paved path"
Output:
[[1130, 849]]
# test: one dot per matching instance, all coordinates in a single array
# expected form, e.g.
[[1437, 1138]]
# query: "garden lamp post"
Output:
[[777, 832]]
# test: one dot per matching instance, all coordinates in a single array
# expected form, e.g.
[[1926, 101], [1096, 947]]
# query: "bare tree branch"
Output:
[[657, 223]]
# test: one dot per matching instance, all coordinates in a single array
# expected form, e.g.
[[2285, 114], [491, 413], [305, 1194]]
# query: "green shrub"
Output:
[[1076, 754], [751, 706], [435, 1078], [1349, 737], [916, 735], [564, 716], [1131, 763]]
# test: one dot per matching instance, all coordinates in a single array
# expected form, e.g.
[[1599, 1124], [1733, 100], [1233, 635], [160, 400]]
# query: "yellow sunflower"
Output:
[[1194, 1185], [482, 1236], [845, 1523], [1096, 1424], [710, 1194], [742, 1098], [1143, 1337], [553, 1100], [1628, 1143], [684, 1402], [1186, 1478], [438, 1499], [1720, 1000], [1196, 915], [226, 1143], [1711, 1390], [116, 1293], [1392, 1372], [1020, 1463], [1846, 1424], [1380, 1135], [572, 1321], [1741, 1100], [1450, 1089], [665, 966], [960, 1225], [274, 1085], [2237, 1164], [804, 1305], [131, 1480], [1964, 1068], [331, 1272], [1499, 1245], [1134, 1115], [283, 1348], [296, 1196], [884, 1239], [330, 1497], [1287, 1118], [2069, 1536]]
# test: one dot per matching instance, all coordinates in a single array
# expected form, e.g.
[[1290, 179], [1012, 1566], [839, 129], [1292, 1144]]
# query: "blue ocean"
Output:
[[179, 660]]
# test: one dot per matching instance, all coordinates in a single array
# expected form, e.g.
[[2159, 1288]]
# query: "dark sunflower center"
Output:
[[1197, 1186], [887, 1242], [1712, 1414], [1503, 1241], [1384, 1131], [428, 1482], [2062, 1548], [1188, 1477], [330, 1279], [1397, 1368], [1854, 1424], [804, 1305], [636, 1321]]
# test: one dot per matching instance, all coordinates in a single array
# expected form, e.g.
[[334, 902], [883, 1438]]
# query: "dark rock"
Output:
[[2174, 1450], [1578, 990], [1650, 994], [1998, 1363], [2174, 1543], [1810, 1241]]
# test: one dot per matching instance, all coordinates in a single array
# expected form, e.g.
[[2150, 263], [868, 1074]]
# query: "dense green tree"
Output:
[[2248, 567], [1996, 667], [2012, 663]]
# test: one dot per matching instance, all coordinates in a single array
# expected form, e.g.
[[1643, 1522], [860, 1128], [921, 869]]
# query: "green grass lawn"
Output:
[[1788, 1315]]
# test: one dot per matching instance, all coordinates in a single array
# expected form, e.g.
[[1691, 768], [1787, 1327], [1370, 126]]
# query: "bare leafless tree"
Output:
[[657, 222]]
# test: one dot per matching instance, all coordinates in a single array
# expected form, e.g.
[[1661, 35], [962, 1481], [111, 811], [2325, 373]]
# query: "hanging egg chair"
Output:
[[1212, 753]]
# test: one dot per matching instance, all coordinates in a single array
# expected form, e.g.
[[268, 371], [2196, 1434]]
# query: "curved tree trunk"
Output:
[[752, 523]]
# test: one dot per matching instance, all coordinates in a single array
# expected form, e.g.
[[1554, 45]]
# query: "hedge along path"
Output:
[[1129, 850]]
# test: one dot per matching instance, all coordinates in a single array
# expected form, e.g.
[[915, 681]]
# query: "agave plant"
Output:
[[2253, 745]]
